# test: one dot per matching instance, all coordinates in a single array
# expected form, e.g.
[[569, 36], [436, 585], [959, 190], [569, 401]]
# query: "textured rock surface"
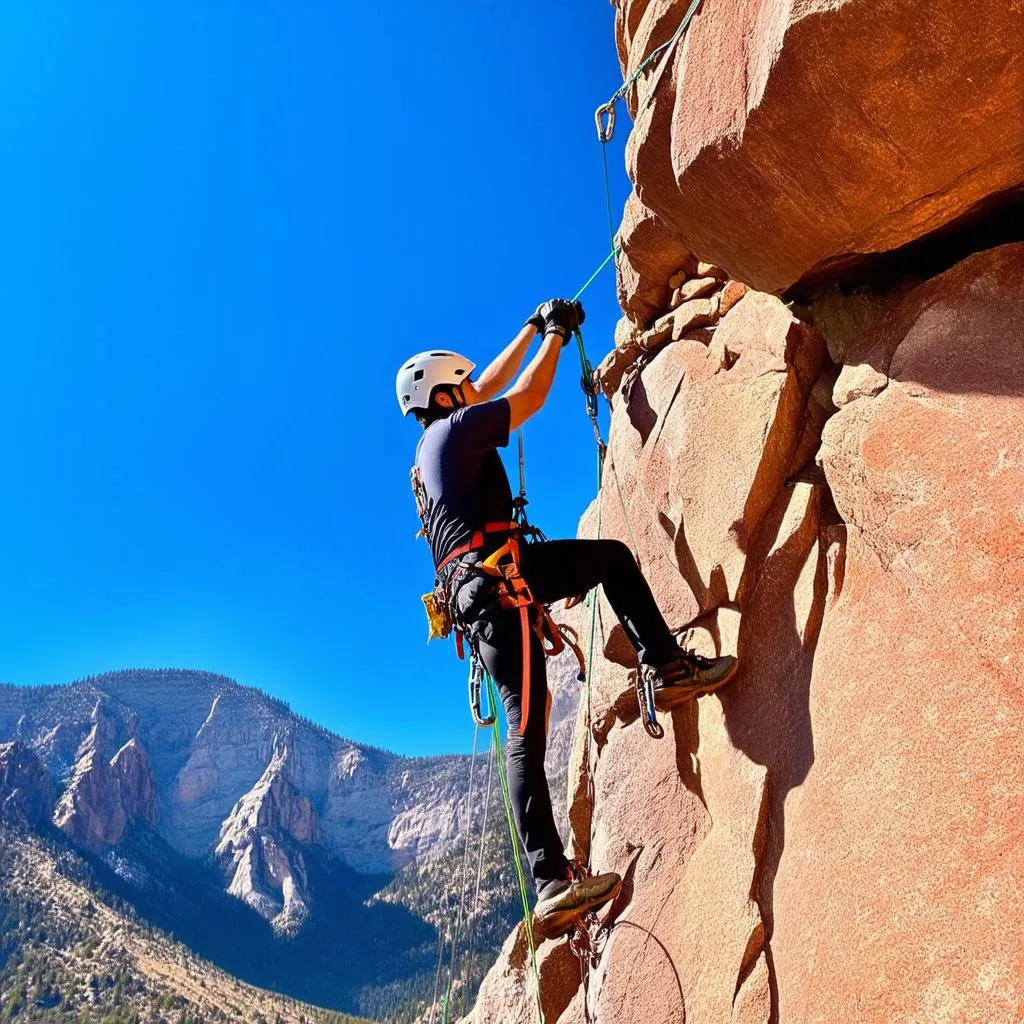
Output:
[[836, 836], [906, 837], [260, 847], [104, 795], [708, 435], [787, 138], [26, 793]]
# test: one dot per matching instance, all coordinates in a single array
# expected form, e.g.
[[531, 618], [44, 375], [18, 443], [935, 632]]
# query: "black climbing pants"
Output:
[[553, 570]]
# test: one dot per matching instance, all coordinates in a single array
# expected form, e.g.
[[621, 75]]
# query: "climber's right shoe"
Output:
[[562, 902], [688, 676]]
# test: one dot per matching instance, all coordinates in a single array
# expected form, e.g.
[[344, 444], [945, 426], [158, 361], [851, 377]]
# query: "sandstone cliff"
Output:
[[828, 484], [107, 790]]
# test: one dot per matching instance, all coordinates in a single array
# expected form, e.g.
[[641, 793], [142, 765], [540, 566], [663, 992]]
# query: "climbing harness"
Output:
[[509, 591]]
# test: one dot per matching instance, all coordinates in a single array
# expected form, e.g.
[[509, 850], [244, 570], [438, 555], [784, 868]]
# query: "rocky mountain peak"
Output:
[[260, 848], [26, 792], [131, 768], [106, 793]]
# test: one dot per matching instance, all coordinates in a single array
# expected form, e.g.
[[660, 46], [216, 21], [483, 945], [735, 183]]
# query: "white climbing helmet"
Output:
[[420, 375]]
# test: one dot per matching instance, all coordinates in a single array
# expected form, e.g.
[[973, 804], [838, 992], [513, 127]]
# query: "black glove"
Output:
[[536, 321], [561, 317]]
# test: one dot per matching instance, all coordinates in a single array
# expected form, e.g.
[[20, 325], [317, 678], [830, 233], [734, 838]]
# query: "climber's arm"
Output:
[[501, 371], [529, 392]]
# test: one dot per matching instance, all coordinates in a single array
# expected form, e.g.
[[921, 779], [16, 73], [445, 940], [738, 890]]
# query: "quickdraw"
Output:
[[643, 681], [476, 682]]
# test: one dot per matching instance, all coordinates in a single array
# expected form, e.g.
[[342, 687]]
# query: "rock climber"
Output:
[[466, 504]]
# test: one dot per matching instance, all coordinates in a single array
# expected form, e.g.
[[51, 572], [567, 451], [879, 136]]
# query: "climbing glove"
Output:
[[536, 321], [561, 317]]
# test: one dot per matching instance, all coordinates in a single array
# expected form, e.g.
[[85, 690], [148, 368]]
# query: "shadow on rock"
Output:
[[767, 710]]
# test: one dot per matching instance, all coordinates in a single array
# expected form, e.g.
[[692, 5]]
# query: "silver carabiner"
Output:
[[476, 679], [644, 682], [604, 119]]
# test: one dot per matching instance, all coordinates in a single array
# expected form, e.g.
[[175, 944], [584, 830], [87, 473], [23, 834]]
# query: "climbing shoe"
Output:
[[561, 903], [689, 675]]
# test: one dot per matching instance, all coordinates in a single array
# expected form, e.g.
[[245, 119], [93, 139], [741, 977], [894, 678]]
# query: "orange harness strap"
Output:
[[504, 564], [518, 595], [477, 541]]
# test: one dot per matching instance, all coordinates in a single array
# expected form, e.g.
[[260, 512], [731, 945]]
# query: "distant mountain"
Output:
[[71, 952], [285, 854]]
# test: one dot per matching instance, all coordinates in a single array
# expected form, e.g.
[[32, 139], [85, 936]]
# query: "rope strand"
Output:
[[471, 935]]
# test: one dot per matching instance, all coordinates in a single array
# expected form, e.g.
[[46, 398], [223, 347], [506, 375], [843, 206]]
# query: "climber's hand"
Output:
[[536, 321], [571, 602], [561, 317]]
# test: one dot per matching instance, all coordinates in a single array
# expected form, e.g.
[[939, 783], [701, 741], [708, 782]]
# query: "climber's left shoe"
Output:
[[688, 676], [561, 903]]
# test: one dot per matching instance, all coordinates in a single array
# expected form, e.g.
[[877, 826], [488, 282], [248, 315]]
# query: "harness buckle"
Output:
[[604, 119]]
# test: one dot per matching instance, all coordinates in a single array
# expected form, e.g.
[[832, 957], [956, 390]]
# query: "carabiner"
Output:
[[644, 682], [605, 128], [476, 678]]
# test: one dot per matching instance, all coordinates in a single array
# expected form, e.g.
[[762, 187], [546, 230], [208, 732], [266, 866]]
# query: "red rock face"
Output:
[[837, 835], [904, 857], [784, 139]]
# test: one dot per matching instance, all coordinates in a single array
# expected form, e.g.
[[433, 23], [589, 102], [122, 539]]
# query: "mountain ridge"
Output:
[[192, 785]]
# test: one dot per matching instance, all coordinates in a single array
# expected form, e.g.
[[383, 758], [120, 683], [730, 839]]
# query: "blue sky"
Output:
[[224, 225]]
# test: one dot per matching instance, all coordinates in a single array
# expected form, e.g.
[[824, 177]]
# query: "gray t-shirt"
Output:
[[465, 481]]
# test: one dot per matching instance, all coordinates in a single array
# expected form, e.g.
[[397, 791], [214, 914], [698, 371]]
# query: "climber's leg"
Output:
[[566, 568], [499, 641]]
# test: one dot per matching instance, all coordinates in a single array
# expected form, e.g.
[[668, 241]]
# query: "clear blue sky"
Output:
[[222, 227]]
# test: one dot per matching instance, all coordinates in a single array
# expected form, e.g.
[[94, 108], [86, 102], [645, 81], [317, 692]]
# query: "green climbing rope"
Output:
[[597, 273], [620, 93]]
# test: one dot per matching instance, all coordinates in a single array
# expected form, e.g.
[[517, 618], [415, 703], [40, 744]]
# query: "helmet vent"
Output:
[[459, 372], [418, 375]]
